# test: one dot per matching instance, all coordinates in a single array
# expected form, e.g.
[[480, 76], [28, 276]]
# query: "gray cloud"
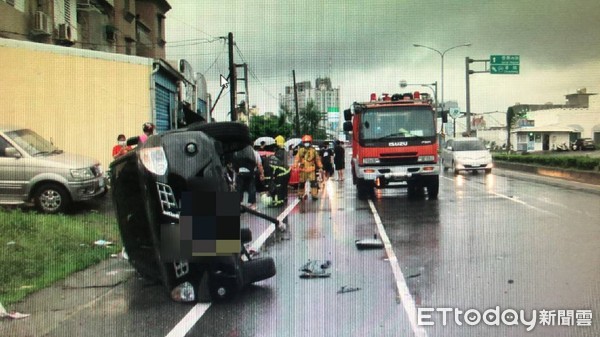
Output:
[[346, 38]]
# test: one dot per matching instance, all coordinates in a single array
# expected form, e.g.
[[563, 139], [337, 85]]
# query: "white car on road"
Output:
[[466, 154]]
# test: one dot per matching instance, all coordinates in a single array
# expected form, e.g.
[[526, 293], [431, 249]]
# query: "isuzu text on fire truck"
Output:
[[394, 140]]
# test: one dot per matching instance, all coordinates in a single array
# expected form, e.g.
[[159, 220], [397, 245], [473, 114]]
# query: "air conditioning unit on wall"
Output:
[[41, 23], [64, 32]]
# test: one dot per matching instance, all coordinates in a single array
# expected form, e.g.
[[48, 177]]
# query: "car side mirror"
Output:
[[347, 115], [12, 152], [347, 126]]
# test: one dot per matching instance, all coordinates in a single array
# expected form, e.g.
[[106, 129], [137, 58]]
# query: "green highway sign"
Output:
[[504, 64]]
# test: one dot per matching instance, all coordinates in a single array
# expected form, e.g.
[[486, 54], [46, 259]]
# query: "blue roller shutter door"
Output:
[[165, 94]]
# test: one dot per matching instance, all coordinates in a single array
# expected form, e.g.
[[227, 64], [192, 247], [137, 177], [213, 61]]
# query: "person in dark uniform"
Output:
[[339, 160], [327, 160]]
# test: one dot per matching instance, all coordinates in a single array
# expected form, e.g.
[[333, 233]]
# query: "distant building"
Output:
[[325, 97], [543, 129]]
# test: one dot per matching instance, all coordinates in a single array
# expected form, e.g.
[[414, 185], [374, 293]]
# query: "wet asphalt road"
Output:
[[501, 240]]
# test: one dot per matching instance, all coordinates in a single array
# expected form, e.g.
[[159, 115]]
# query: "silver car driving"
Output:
[[466, 154], [33, 170]]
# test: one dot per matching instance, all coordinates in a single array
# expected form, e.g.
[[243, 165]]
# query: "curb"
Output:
[[588, 177]]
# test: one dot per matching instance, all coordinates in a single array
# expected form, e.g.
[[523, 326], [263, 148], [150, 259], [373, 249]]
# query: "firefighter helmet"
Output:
[[280, 141]]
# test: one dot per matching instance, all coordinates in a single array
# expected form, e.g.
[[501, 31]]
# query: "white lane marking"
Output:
[[403, 292], [513, 198], [260, 241], [194, 315], [189, 320]]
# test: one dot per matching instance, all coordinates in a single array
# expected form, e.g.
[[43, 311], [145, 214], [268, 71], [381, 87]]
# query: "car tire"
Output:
[[51, 198], [258, 269], [444, 167], [456, 171], [488, 171], [232, 135]]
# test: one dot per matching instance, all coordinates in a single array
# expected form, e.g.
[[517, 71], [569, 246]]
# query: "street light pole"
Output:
[[442, 53]]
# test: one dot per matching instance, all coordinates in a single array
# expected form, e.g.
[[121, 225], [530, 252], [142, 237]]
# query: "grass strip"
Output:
[[37, 250]]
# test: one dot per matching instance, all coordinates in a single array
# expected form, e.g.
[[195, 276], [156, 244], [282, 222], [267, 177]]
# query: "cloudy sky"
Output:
[[366, 46]]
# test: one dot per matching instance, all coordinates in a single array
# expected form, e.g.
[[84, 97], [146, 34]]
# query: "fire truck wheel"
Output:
[[433, 187], [363, 188]]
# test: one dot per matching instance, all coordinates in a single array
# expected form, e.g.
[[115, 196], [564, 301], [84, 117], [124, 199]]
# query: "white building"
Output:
[[545, 129], [325, 97]]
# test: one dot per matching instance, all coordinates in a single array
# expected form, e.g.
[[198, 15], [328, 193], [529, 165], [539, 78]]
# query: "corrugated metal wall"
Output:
[[165, 100]]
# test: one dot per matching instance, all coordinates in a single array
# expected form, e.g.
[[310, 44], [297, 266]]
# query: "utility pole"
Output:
[[297, 121], [232, 79], [244, 66], [469, 72]]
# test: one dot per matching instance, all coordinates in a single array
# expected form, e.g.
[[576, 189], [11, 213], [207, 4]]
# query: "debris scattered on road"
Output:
[[10, 243], [373, 243], [414, 275], [102, 243], [511, 281], [315, 269], [346, 289], [12, 314], [315, 275]]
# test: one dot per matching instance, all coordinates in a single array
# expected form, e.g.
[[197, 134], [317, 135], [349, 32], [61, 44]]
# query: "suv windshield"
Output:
[[397, 122], [33, 143], [468, 146]]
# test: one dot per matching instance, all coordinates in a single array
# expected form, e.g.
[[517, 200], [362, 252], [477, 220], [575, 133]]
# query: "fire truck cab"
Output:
[[394, 140]]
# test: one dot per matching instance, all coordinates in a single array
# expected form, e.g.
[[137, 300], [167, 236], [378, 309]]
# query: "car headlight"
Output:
[[426, 158], [154, 160], [82, 174], [368, 161]]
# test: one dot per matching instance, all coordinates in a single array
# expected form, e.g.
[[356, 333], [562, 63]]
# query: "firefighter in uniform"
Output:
[[308, 161], [280, 174]]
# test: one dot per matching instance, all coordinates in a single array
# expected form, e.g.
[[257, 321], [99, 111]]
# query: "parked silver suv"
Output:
[[33, 170]]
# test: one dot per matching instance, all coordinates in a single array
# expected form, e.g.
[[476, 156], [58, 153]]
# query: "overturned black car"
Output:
[[179, 220]]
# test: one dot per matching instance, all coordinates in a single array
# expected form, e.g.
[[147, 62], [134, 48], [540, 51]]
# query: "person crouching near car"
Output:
[[308, 161]]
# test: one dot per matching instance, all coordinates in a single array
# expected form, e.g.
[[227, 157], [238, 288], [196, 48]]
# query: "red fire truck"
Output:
[[394, 140]]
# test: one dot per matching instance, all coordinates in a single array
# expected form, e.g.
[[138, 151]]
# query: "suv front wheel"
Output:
[[51, 198]]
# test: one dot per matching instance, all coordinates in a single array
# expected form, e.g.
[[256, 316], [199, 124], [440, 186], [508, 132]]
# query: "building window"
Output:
[[67, 11]]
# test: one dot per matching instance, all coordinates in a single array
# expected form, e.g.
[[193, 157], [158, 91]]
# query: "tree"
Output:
[[310, 116], [261, 126], [513, 114]]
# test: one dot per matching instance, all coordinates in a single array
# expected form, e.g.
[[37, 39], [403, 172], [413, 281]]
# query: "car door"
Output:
[[12, 186], [447, 154]]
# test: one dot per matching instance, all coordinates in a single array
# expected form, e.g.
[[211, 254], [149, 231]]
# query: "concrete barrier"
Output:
[[590, 177]]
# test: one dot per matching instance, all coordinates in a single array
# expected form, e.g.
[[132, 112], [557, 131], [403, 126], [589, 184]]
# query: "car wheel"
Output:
[[456, 171], [51, 198], [488, 171], [444, 167], [234, 136], [258, 269]]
